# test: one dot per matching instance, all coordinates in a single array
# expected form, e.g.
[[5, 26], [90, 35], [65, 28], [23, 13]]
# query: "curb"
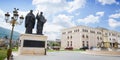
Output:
[[100, 54]]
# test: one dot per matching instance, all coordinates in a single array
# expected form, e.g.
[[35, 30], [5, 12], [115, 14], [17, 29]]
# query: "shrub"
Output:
[[69, 48]]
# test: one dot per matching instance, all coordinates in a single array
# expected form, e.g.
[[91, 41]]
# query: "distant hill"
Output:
[[6, 32]]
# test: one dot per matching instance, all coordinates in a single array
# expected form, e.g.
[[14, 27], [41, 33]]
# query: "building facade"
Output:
[[84, 36]]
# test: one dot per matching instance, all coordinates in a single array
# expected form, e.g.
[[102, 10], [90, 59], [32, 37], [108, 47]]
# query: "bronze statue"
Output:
[[29, 22], [40, 23]]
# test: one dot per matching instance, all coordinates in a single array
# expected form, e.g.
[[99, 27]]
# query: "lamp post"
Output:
[[13, 21]]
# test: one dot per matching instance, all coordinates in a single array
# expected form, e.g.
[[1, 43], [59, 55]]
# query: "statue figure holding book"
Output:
[[40, 23]]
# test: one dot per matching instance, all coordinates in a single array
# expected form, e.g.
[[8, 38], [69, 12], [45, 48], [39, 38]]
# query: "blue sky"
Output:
[[62, 14]]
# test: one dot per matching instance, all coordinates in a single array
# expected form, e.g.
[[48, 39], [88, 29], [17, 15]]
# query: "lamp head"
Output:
[[7, 15], [21, 19]]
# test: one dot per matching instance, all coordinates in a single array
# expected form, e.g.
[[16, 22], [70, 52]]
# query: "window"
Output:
[[113, 34], [109, 34], [110, 38], [71, 44], [67, 43], [118, 35], [77, 30], [84, 30], [87, 44], [113, 39], [100, 38], [97, 38], [71, 37], [106, 34], [68, 37], [92, 31], [98, 32], [86, 36], [83, 43], [83, 36], [64, 33], [69, 31]]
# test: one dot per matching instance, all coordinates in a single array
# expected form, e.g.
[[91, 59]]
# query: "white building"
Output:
[[83, 36]]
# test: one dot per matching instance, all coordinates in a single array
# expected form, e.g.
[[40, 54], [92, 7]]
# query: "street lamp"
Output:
[[12, 21]]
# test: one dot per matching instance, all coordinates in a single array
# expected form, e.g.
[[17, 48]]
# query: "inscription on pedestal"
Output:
[[34, 43]]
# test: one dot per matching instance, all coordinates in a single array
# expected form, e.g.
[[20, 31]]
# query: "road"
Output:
[[66, 55]]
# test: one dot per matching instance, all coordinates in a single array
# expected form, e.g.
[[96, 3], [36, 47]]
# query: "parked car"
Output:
[[83, 48], [56, 48]]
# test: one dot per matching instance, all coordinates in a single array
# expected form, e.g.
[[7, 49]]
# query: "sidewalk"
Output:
[[25, 57], [103, 53], [66, 55]]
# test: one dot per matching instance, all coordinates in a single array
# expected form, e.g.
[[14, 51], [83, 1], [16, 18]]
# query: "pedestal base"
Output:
[[32, 44]]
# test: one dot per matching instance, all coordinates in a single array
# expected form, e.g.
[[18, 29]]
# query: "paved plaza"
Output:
[[65, 55]]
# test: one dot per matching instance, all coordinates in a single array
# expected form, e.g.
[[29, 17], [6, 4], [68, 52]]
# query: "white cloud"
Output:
[[76, 4], [1, 15], [2, 20], [52, 35], [50, 6], [117, 15], [114, 23], [100, 13], [103, 2], [5, 25], [91, 18], [52, 30], [50, 27], [56, 6], [64, 20], [44, 1], [24, 13]]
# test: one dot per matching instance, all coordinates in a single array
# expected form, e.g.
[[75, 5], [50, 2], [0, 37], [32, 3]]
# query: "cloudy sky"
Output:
[[61, 14]]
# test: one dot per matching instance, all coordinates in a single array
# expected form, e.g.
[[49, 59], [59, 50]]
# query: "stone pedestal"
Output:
[[32, 44]]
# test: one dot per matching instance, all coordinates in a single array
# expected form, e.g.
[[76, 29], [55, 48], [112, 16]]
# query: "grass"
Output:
[[78, 50], [15, 49], [51, 50], [3, 54]]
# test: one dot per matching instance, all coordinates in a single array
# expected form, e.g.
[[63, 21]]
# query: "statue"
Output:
[[29, 22], [40, 23]]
